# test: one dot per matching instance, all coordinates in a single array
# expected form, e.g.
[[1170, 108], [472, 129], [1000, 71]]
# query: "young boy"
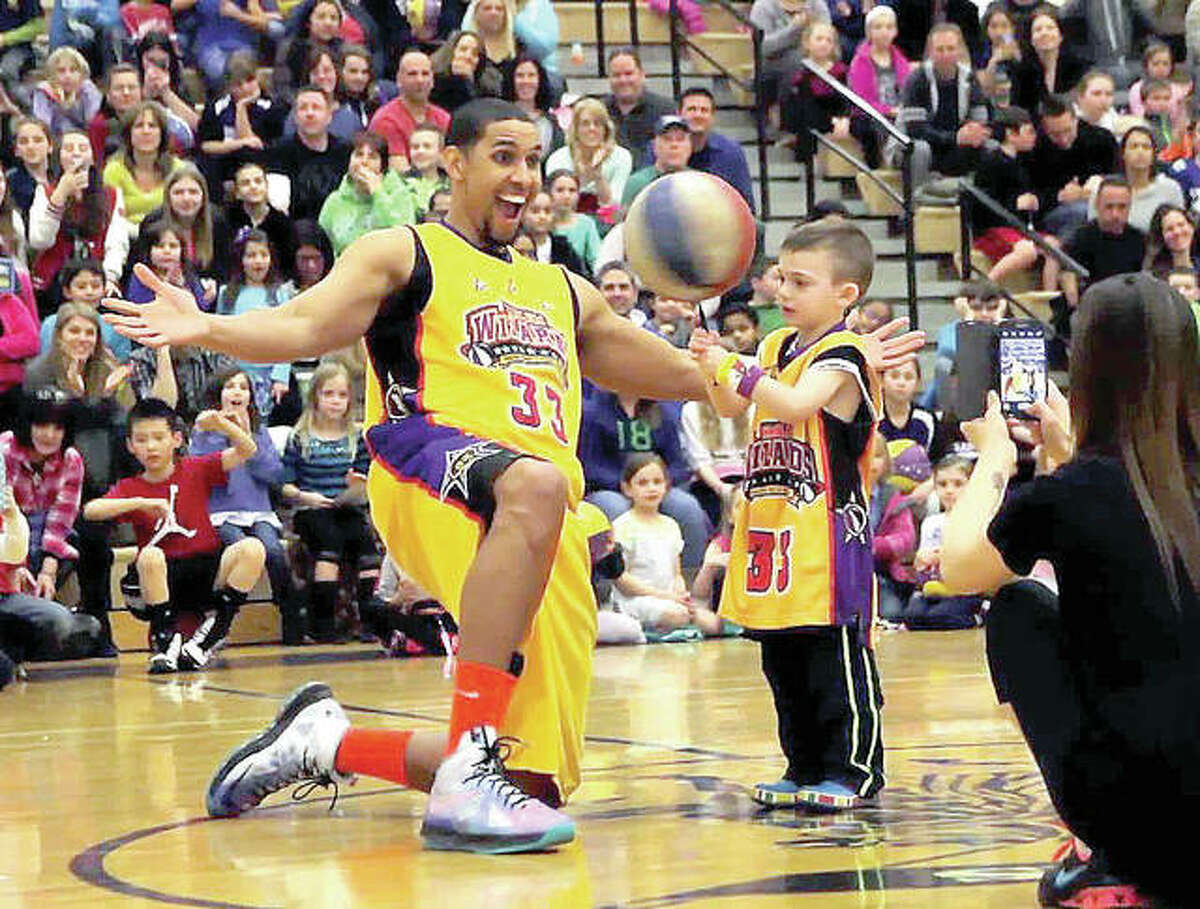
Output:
[[1157, 96], [251, 209], [800, 568], [764, 280], [179, 563], [426, 176], [739, 327]]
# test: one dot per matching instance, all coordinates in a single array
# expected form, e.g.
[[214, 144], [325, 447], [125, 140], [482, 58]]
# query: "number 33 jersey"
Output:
[[484, 342], [801, 549]]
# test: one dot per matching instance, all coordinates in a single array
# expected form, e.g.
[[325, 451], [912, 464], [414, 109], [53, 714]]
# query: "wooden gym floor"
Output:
[[103, 771]]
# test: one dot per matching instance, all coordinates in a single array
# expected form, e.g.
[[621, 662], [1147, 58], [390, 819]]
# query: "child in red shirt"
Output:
[[180, 564]]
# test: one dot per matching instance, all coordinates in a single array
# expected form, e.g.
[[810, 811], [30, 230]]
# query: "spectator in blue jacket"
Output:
[[613, 428]]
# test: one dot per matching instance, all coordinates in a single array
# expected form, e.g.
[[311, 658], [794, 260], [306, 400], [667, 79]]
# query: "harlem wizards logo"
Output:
[[779, 464], [500, 335]]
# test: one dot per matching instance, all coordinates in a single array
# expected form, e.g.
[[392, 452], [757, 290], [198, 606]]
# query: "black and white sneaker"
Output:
[[167, 659]]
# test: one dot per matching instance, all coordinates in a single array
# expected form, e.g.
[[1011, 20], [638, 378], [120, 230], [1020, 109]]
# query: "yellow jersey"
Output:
[[801, 548], [483, 342]]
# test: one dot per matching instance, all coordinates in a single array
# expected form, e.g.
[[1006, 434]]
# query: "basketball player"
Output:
[[473, 399]]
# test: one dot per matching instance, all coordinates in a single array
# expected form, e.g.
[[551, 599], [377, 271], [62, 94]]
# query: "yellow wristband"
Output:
[[725, 370]]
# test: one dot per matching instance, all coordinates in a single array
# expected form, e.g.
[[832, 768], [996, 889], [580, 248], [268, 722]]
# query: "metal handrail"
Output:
[[861, 167], [634, 37], [905, 201], [760, 116], [1013, 302], [965, 188]]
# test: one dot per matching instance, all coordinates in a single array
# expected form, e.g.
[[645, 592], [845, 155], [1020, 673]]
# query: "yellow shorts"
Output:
[[434, 538]]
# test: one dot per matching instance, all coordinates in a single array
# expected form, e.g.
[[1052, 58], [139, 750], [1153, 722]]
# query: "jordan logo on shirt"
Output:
[[170, 524]]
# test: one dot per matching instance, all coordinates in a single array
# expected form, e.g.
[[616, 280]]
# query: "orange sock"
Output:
[[481, 696], [374, 752]]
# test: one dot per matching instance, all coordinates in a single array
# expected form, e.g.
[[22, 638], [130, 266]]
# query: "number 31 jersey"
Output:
[[801, 549], [485, 342]]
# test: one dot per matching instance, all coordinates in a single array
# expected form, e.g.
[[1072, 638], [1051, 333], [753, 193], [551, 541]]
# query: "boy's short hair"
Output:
[[1150, 86], [736, 309], [242, 66], [152, 409], [429, 128], [248, 164], [1010, 120], [852, 258], [954, 462]]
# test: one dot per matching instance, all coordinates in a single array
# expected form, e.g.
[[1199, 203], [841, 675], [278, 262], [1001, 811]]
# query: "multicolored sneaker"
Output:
[[167, 659], [782, 794], [208, 638], [829, 797], [1085, 883], [299, 746], [474, 807]]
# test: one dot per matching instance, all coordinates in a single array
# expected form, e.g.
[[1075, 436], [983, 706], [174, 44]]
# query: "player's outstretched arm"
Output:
[[621, 357], [329, 315]]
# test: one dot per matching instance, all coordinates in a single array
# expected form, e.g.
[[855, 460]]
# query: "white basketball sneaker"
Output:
[[474, 807], [299, 746], [167, 659]]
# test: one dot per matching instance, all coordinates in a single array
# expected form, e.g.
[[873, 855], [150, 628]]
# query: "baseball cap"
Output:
[[671, 121]]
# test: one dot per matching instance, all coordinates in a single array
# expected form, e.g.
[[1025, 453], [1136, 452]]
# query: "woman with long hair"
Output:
[[1103, 676], [78, 362], [161, 78], [32, 145], [1170, 241], [140, 169], [320, 29], [1151, 188], [528, 85], [357, 91], [463, 72], [592, 154], [77, 217], [201, 226], [493, 21], [1048, 68]]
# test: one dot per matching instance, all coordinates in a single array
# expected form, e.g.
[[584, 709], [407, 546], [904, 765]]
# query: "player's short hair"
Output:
[[852, 257], [473, 118], [152, 409]]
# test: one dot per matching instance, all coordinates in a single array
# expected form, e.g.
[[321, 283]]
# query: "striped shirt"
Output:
[[320, 465]]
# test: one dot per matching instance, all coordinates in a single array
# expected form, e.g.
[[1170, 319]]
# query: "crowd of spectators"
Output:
[[236, 148]]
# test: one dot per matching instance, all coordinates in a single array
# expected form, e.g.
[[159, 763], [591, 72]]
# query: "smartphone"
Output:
[[1022, 366], [975, 367]]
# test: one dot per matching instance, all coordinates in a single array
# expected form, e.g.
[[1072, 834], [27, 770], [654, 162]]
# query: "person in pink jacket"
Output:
[[877, 73], [894, 536], [18, 335]]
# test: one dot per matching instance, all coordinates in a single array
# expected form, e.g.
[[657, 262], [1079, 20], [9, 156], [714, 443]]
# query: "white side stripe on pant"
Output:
[[854, 726]]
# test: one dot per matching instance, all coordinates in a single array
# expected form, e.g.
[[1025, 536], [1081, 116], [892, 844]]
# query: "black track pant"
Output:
[[828, 702]]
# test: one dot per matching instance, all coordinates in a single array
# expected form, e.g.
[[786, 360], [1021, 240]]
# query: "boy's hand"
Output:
[[886, 348], [159, 508]]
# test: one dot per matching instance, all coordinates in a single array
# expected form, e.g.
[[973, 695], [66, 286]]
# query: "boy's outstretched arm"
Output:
[[332, 314]]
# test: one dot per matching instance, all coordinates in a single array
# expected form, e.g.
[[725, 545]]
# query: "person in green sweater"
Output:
[[765, 280], [370, 196], [579, 229], [427, 176], [672, 149]]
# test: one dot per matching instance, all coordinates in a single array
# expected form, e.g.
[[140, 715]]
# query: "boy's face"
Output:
[[1188, 285], [741, 330], [808, 295], [1158, 101], [153, 442], [949, 484], [251, 185], [425, 149]]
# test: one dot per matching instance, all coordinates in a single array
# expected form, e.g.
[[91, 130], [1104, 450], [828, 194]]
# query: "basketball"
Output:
[[689, 236]]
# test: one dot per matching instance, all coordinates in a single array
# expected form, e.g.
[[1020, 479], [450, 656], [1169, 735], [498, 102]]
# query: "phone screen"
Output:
[[1022, 354]]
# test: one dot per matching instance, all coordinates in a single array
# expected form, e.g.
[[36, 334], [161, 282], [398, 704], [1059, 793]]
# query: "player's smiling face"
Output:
[[496, 179]]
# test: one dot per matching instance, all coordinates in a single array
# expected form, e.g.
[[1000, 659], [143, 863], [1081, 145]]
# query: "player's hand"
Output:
[[701, 340], [887, 348], [158, 508], [172, 317]]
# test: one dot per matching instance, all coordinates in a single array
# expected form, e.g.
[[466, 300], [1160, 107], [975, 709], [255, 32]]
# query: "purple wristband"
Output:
[[750, 377]]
